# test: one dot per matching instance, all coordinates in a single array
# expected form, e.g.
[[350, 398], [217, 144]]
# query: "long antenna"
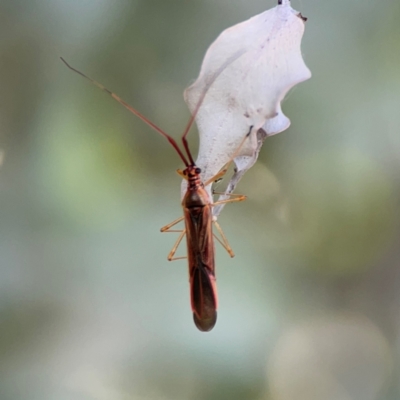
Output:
[[189, 160], [135, 112]]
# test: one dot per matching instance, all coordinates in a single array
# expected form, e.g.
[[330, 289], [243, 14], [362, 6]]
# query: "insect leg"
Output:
[[219, 175], [224, 242], [176, 245], [240, 197], [166, 228], [229, 194]]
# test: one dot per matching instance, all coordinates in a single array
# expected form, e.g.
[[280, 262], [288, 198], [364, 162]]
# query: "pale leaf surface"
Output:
[[245, 93]]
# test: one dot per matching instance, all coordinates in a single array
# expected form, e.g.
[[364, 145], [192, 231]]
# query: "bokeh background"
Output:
[[89, 306]]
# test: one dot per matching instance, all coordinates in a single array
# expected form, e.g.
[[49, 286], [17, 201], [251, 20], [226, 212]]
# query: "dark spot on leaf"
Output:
[[232, 103], [302, 17]]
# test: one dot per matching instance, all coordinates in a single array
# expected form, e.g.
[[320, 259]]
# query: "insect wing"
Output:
[[204, 301], [200, 250]]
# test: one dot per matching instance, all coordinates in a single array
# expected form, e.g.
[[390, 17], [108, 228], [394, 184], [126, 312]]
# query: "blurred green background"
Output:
[[89, 306]]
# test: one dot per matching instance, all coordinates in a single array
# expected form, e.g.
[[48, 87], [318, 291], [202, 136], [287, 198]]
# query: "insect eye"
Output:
[[197, 170]]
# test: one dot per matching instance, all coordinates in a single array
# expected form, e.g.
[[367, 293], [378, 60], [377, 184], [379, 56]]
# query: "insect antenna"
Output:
[[170, 139]]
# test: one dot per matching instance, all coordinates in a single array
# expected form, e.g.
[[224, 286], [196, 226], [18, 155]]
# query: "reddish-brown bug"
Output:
[[197, 215]]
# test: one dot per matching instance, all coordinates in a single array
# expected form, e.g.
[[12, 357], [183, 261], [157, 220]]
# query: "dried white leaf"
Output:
[[248, 70]]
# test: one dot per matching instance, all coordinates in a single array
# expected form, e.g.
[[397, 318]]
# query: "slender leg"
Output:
[[235, 199], [217, 176], [223, 245], [176, 245], [224, 241], [228, 194], [170, 225], [221, 173], [167, 228]]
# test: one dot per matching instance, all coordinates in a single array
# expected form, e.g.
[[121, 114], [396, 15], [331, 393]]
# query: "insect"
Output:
[[198, 218]]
